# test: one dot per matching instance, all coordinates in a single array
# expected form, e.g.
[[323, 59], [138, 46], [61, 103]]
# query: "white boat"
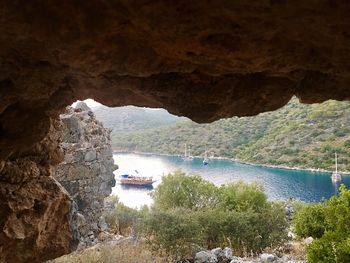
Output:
[[136, 180], [205, 160], [187, 156], [336, 177]]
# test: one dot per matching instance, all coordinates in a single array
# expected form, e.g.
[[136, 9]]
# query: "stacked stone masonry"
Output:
[[87, 170]]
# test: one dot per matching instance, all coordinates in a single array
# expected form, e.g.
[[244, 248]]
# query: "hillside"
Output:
[[130, 118], [296, 135]]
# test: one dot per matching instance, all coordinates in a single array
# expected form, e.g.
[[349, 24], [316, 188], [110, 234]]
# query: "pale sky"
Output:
[[90, 102]]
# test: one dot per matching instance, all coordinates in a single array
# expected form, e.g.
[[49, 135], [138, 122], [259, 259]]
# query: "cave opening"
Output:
[[203, 60], [150, 142]]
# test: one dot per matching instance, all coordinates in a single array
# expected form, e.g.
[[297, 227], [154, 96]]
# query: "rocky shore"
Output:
[[283, 167]]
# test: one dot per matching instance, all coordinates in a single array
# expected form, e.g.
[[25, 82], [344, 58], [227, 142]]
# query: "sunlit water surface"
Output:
[[278, 183]]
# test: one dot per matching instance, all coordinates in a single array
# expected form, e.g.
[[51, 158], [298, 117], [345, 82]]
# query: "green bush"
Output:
[[310, 221], [171, 232], [190, 213], [122, 219], [181, 190], [253, 231], [329, 223], [242, 196]]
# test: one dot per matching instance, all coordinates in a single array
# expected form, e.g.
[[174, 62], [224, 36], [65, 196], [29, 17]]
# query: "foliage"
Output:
[[333, 235], [173, 232], [310, 221], [180, 190], [296, 135], [190, 213], [242, 197], [122, 219], [130, 118]]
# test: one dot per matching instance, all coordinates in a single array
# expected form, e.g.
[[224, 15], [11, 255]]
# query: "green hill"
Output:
[[130, 118], [296, 135]]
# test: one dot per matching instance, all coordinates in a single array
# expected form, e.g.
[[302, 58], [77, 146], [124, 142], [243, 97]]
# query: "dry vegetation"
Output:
[[112, 253]]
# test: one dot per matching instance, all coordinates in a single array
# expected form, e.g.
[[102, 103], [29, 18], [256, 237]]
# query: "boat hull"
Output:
[[336, 177], [136, 183]]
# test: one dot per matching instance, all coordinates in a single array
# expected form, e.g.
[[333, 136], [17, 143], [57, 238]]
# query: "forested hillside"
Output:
[[130, 118], [296, 135]]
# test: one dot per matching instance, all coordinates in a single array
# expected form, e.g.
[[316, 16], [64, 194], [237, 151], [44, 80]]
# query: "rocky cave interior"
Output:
[[201, 59]]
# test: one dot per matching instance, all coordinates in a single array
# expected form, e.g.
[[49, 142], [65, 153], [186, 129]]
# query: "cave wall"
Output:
[[227, 57], [37, 216], [202, 59]]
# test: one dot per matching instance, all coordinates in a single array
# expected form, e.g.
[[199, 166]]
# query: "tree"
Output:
[[181, 190]]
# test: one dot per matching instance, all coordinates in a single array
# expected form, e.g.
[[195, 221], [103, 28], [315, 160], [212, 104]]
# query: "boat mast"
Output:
[[336, 163], [185, 150]]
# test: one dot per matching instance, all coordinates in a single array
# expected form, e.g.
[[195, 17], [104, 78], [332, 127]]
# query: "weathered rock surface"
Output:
[[87, 169], [37, 216], [202, 59], [205, 60]]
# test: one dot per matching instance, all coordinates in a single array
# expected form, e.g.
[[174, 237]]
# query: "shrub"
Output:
[[181, 190], [242, 196], [122, 219], [171, 232], [330, 224], [251, 231], [310, 221], [190, 213]]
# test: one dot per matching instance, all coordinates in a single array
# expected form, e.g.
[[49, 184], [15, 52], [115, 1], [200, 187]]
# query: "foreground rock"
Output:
[[87, 170], [37, 216], [205, 60], [219, 255]]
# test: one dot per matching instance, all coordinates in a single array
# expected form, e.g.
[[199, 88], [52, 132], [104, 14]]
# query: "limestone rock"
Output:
[[37, 216], [218, 252], [204, 60], [307, 241], [205, 257], [228, 252], [267, 258], [87, 169]]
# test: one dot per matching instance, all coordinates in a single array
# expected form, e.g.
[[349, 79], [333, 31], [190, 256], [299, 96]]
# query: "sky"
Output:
[[90, 102]]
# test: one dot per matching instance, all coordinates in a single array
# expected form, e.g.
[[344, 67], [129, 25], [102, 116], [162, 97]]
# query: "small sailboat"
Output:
[[205, 160], [187, 156], [336, 177]]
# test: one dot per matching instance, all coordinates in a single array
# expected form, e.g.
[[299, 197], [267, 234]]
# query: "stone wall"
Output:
[[87, 170]]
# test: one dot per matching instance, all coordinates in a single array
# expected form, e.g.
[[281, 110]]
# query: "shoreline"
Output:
[[281, 167]]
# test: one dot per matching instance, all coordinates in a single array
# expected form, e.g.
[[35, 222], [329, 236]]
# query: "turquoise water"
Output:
[[278, 183]]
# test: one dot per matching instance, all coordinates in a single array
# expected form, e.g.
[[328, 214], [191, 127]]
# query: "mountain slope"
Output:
[[130, 118], [297, 135]]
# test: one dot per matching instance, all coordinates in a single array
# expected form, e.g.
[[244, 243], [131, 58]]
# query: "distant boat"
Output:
[[205, 160], [187, 156], [136, 180], [336, 177]]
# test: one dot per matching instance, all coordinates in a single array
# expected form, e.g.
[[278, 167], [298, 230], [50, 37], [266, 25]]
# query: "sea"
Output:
[[279, 184]]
